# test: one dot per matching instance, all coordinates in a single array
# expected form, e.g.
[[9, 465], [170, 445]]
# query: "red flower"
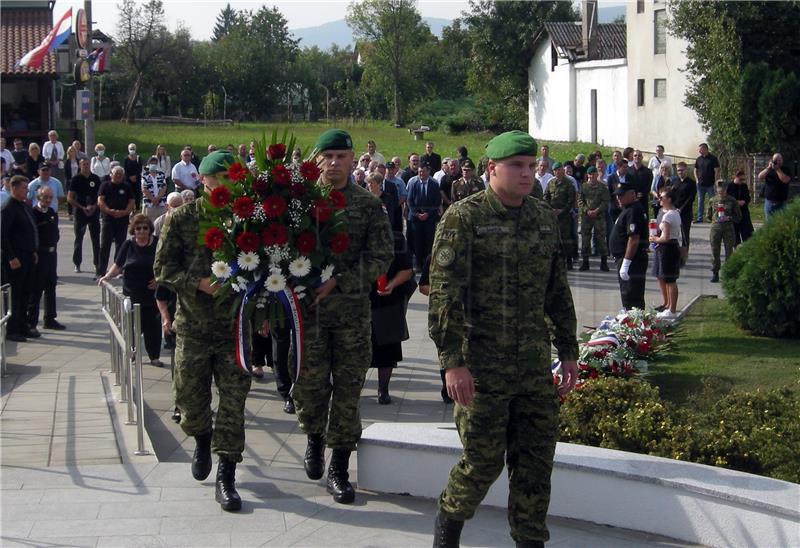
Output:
[[306, 242], [297, 190], [276, 152], [260, 186], [309, 171], [338, 199], [237, 172], [248, 241], [281, 175], [321, 210], [274, 234], [220, 196], [243, 207], [339, 243], [644, 347], [593, 374], [274, 206], [214, 238]]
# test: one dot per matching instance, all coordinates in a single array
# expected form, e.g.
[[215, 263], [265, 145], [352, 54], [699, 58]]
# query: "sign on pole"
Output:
[[82, 30], [83, 100]]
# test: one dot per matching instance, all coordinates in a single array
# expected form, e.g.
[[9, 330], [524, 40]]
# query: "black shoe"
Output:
[[660, 308], [446, 397], [530, 544], [314, 461], [288, 406], [604, 263], [16, 337], [447, 532], [584, 265], [32, 333], [715, 278], [176, 415], [569, 264], [54, 324], [338, 484], [201, 460], [384, 398], [225, 493]]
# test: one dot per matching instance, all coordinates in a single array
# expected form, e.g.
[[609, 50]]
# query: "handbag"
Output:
[[389, 324]]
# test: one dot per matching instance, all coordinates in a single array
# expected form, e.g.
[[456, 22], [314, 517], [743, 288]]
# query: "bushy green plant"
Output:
[[761, 280]]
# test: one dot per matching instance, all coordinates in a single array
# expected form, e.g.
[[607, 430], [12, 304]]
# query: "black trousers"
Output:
[[80, 224], [262, 350], [423, 237], [281, 343], [632, 291], [151, 322], [112, 231], [44, 283], [22, 282]]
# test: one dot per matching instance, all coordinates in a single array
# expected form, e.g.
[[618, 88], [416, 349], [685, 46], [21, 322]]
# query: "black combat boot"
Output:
[[604, 263], [226, 494], [447, 532], [530, 544], [314, 461], [201, 460], [584, 265], [714, 277], [338, 484]]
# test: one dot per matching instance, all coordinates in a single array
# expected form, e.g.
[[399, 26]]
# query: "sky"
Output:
[[200, 15]]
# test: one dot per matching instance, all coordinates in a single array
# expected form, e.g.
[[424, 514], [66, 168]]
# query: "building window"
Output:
[[660, 88], [639, 6], [660, 31], [639, 93]]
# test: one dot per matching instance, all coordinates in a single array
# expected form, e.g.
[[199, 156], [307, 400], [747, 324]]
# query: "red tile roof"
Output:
[[21, 30]]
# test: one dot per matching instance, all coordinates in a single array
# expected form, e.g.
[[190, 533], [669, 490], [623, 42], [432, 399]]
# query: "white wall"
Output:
[[610, 79], [551, 112], [666, 120]]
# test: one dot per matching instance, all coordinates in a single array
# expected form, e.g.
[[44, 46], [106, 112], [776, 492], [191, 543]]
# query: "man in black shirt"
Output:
[[83, 196], [433, 159], [411, 170], [642, 179], [629, 241], [19, 241], [45, 281], [706, 173], [452, 174], [776, 186], [685, 192], [115, 201], [133, 175]]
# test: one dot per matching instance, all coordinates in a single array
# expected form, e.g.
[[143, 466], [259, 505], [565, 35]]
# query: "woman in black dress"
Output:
[[388, 300], [34, 161], [741, 193], [135, 260]]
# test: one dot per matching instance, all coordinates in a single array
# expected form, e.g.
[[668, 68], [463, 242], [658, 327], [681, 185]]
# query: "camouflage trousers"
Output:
[[337, 353], [198, 359], [517, 429], [569, 245], [721, 233], [598, 225]]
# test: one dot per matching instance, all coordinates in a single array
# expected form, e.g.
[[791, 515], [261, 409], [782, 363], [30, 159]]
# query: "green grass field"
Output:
[[709, 345], [390, 141]]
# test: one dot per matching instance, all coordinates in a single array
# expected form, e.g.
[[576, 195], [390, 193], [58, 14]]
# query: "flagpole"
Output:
[[89, 122]]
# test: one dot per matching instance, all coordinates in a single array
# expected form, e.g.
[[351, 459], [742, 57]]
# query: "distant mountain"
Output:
[[337, 32]]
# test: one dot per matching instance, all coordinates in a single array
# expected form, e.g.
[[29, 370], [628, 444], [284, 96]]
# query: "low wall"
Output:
[[685, 501]]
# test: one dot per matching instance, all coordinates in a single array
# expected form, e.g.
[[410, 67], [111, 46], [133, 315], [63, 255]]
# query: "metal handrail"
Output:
[[5, 314], [125, 348]]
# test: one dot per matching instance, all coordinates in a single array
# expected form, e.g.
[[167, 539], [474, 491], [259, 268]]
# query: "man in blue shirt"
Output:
[[44, 179]]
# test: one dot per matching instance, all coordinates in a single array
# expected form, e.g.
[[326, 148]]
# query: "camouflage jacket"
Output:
[[461, 188], [496, 272], [180, 264], [593, 196], [732, 212], [560, 194]]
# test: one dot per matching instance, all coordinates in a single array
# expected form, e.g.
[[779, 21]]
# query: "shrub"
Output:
[[761, 279]]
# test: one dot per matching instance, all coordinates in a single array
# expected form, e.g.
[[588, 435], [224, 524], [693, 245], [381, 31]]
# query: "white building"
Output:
[[614, 84]]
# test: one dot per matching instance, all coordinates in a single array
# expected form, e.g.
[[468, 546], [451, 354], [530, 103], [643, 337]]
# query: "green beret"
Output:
[[467, 164], [557, 165], [334, 139], [511, 143], [591, 170], [217, 161]]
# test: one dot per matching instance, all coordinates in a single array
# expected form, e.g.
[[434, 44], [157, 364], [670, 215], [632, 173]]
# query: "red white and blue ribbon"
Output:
[[606, 339], [57, 35], [242, 328], [291, 306]]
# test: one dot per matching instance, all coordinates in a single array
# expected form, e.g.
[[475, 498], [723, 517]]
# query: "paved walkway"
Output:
[[69, 475]]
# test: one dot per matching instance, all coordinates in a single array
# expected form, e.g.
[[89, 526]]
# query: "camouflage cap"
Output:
[[511, 143], [217, 161], [334, 139]]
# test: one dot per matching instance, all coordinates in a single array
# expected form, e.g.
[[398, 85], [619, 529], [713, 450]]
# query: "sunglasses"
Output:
[[141, 227]]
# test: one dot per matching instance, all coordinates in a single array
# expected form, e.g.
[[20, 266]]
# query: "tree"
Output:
[[393, 28], [141, 42], [225, 20]]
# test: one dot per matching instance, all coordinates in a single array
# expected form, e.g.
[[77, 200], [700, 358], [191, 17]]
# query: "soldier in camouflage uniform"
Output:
[[560, 194], [593, 202], [497, 270], [337, 349], [468, 184], [723, 212], [205, 343]]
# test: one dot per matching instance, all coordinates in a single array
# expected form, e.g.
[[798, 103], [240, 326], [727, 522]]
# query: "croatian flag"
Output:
[[97, 60], [59, 33]]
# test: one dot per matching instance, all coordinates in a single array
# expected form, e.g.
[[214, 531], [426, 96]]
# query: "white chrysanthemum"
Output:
[[327, 273], [275, 283], [248, 261], [300, 267], [299, 289], [221, 270]]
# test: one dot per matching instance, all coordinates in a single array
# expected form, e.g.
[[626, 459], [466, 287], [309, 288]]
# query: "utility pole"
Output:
[[89, 122]]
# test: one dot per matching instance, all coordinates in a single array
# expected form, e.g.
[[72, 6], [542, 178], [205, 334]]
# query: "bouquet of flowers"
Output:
[[273, 232]]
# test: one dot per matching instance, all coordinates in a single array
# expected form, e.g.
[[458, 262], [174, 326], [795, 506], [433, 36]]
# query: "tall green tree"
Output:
[[225, 20], [394, 29]]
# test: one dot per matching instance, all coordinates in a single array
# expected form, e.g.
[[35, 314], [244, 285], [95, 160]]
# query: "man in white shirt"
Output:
[[543, 175], [658, 160], [442, 172], [373, 152], [184, 174], [44, 179], [7, 156]]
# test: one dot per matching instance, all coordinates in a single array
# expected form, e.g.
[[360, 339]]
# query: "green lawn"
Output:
[[708, 345], [391, 141]]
